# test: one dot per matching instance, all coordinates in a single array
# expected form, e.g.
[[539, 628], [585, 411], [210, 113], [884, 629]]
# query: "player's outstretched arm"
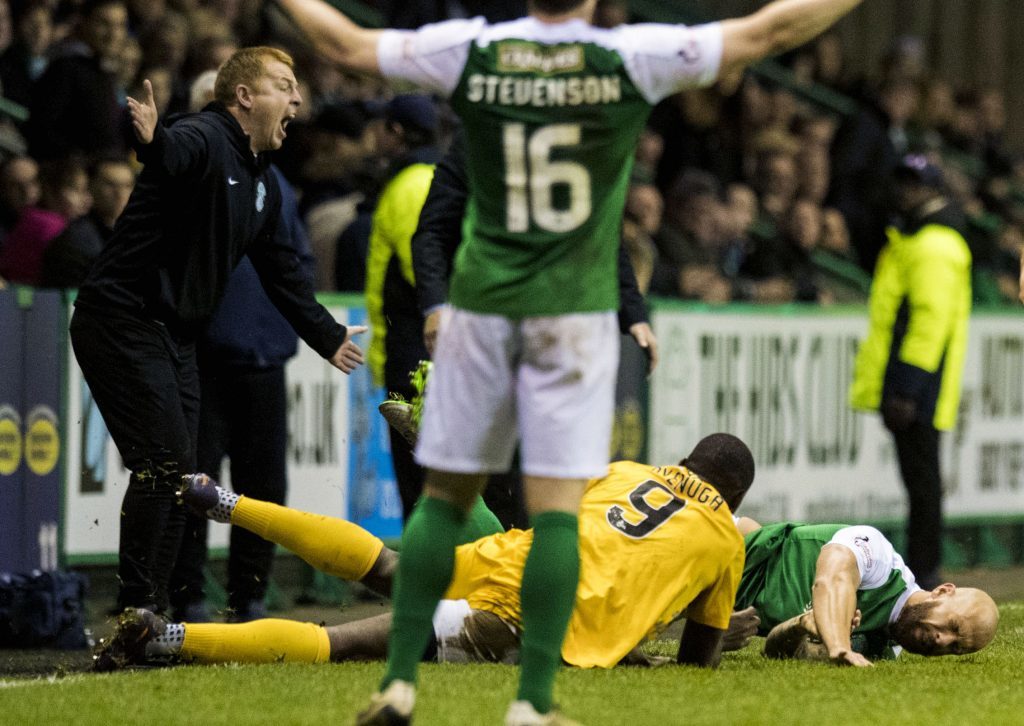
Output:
[[834, 602], [334, 35], [701, 645], [776, 28]]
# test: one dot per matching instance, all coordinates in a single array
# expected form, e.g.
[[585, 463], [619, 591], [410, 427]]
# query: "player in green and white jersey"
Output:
[[552, 108], [847, 588]]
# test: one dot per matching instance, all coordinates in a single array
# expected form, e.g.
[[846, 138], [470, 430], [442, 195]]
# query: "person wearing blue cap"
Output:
[[910, 365], [409, 137]]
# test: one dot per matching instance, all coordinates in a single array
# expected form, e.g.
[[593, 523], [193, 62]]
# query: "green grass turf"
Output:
[[984, 688]]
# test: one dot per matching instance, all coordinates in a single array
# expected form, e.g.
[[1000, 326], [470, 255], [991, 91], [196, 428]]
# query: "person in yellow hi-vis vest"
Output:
[[911, 363], [409, 136]]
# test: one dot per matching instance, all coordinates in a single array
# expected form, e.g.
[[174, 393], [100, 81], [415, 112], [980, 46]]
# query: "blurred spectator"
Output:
[[836, 270], [208, 53], [338, 144], [649, 149], [6, 26], [611, 13], [934, 120], [641, 221], [803, 232], [814, 173], [165, 42], [777, 268], [992, 124], [399, 14], [776, 180], [691, 241], [867, 148], [906, 61], [129, 63], [19, 188], [1011, 251], [67, 259], [24, 61], [144, 14], [63, 196], [74, 106], [162, 80], [165, 45], [697, 134]]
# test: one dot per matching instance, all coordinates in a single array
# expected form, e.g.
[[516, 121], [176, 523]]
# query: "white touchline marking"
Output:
[[44, 681]]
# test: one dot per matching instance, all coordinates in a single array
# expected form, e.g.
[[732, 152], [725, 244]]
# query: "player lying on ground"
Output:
[[811, 583], [791, 567], [655, 543]]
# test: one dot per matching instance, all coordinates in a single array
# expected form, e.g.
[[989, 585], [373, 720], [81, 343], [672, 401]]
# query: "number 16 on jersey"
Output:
[[531, 176]]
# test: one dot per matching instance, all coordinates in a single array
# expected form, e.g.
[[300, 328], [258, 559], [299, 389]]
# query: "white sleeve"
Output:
[[664, 59], [876, 558], [433, 57]]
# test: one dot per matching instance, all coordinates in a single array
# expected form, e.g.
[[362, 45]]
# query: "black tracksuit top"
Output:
[[202, 201]]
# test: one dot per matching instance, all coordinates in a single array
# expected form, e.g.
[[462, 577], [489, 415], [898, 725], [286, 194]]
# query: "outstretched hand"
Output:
[[144, 114], [431, 326], [349, 356], [742, 627], [648, 341]]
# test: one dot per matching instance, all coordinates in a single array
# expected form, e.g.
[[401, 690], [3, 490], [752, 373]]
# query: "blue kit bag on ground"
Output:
[[43, 610]]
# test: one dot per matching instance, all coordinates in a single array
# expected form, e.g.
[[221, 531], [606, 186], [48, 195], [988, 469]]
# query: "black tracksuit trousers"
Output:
[[145, 382]]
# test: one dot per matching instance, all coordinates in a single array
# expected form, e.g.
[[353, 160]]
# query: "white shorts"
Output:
[[548, 382], [464, 635]]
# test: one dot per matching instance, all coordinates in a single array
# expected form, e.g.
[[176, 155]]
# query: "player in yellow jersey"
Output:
[[656, 543]]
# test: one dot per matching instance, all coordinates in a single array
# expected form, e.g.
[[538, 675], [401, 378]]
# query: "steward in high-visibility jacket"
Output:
[[910, 366], [919, 308]]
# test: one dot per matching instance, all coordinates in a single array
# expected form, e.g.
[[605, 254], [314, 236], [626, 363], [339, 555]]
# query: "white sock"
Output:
[[169, 643], [226, 502]]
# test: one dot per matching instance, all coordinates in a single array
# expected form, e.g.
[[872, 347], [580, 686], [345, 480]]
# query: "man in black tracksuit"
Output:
[[205, 198]]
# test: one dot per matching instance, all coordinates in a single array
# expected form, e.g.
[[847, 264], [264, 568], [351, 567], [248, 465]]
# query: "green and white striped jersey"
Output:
[[552, 114]]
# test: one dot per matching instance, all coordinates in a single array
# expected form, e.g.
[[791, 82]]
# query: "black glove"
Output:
[[898, 412]]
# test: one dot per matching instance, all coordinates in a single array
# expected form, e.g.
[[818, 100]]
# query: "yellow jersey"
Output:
[[655, 543]]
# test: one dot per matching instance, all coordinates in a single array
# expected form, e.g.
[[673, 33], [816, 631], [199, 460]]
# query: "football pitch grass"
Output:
[[984, 688]]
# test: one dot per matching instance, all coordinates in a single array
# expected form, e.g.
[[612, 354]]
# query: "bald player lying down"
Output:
[[842, 594]]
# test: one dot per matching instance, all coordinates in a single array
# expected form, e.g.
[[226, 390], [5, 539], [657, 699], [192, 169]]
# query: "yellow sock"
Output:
[[260, 641], [329, 544]]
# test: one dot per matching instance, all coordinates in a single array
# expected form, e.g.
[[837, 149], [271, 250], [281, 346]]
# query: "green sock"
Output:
[[548, 593], [481, 523], [424, 572]]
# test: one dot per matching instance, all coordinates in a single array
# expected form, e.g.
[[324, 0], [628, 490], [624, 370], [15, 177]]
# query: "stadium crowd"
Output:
[[768, 194]]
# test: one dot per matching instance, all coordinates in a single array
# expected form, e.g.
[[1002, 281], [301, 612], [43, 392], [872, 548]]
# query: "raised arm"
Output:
[[834, 598], [776, 28], [334, 35]]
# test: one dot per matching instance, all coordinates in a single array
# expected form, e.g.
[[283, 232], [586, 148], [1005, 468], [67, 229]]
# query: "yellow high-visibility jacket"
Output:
[[394, 223], [919, 308]]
